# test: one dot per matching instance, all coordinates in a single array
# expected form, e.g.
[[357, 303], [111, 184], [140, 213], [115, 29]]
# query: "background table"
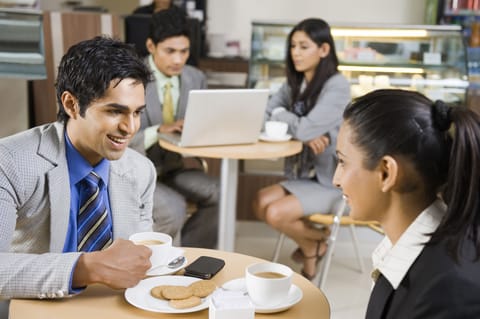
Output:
[[230, 154], [102, 302]]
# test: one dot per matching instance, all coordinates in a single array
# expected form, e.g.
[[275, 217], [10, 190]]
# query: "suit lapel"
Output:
[[154, 108], [52, 148], [186, 85], [59, 194], [379, 299], [121, 197]]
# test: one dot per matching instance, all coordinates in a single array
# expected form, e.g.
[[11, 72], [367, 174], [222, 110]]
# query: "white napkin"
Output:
[[231, 299]]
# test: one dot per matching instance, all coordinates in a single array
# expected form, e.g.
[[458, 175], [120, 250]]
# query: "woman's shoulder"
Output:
[[338, 79], [338, 86], [438, 260]]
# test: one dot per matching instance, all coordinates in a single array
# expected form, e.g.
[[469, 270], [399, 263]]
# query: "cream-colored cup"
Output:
[[268, 283], [159, 243], [276, 129]]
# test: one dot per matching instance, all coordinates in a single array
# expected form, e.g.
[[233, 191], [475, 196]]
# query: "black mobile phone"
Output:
[[204, 267]]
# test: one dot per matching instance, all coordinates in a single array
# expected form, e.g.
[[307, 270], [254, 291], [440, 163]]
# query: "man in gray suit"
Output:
[[100, 93], [169, 44]]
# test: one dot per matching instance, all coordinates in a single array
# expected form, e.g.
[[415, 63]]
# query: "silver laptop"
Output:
[[221, 117]]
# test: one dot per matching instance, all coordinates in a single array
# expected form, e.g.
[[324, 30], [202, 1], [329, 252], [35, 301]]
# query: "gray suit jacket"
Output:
[[35, 205], [325, 117], [190, 79]]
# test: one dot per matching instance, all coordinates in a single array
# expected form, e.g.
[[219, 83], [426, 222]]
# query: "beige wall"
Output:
[[14, 110], [113, 6], [233, 17]]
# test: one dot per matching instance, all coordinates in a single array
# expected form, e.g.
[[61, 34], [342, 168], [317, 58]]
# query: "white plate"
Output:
[[266, 138], [140, 297], [295, 294]]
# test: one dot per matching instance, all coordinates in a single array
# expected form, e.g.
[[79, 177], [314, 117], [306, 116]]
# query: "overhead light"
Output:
[[381, 33], [380, 69]]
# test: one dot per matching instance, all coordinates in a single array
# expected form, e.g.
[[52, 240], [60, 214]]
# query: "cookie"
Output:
[[157, 291], [177, 292], [203, 288], [189, 302]]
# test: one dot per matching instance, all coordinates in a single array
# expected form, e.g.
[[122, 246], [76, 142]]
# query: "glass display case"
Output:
[[428, 59]]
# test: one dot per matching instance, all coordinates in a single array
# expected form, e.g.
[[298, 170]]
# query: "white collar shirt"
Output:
[[160, 81], [394, 261]]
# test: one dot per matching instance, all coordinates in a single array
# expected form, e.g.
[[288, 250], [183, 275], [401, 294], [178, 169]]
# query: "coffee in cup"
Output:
[[159, 243], [149, 242], [276, 129], [269, 274], [268, 283]]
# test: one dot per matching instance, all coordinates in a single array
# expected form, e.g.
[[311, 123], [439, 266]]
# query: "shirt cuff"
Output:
[[150, 136], [71, 290], [278, 110]]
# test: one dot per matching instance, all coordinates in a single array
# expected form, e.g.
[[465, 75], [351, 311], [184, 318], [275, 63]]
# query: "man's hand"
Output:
[[171, 128], [122, 265], [318, 144]]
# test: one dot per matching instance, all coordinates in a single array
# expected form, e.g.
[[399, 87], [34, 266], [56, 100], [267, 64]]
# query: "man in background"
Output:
[[71, 192], [168, 45]]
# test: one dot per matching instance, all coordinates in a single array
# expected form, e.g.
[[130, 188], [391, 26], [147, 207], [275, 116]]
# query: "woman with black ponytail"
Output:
[[414, 165], [311, 102]]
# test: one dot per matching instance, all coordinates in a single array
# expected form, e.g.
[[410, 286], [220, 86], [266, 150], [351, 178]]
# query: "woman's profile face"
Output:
[[361, 187], [305, 53]]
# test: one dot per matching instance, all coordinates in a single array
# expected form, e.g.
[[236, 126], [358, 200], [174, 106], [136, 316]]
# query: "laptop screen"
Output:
[[224, 117]]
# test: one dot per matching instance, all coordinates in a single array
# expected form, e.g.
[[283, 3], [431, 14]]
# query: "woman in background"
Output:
[[401, 157], [311, 102]]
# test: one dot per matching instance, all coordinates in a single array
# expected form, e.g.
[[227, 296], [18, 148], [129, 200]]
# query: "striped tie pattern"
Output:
[[94, 232], [167, 108]]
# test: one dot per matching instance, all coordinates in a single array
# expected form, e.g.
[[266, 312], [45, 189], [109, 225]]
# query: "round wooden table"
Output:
[[99, 301], [230, 154]]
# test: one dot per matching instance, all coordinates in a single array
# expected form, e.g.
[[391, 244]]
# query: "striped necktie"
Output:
[[94, 232], [167, 109]]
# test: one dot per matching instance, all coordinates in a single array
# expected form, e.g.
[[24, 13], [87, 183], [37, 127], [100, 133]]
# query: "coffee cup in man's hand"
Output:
[[159, 243]]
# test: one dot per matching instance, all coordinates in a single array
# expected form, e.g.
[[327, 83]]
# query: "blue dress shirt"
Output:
[[78, 168]]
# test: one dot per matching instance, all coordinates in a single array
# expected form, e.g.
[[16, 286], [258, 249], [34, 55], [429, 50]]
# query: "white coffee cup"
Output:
[[268, 283], [159, 243], [276, 129]]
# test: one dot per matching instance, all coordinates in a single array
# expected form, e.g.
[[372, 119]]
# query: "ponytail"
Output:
[[462, 189]]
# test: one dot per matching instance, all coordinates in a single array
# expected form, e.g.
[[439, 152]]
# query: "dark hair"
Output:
[[168, 23], [89, 67], [319, 32], [407, 124]]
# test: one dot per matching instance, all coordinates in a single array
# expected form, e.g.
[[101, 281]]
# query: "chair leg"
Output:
[[331, 246], [328, 255], [356, 248], [278, 247]]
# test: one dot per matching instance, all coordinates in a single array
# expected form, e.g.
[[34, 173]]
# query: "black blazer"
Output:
[[434, 287]]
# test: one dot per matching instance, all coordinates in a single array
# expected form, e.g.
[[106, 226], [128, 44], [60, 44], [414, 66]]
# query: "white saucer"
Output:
[[266, 138], [294, 296]]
